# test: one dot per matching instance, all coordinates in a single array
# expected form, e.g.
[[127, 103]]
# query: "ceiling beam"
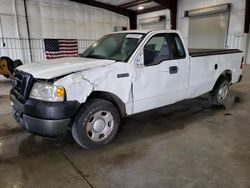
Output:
[[169, 4], [247, 17], [172, 5], [173, 19], [133, 20], [134, 3], [116, 9]]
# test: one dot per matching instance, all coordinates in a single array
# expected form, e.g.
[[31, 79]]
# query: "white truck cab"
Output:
[[121, 74]]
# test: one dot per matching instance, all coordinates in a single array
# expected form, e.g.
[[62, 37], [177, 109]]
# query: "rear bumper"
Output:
[[49, 119]]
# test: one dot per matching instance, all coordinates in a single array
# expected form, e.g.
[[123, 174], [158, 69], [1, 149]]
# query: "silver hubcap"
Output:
[[223, 91], [100, 125]]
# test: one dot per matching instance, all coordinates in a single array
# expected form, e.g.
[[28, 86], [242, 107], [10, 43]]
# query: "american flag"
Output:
[[56, 48]]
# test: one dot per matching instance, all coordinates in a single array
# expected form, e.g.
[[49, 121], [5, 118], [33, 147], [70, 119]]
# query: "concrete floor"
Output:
[[189, 144], [5, 85]]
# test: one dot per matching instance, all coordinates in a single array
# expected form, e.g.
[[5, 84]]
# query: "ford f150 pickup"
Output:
[[121, 74]]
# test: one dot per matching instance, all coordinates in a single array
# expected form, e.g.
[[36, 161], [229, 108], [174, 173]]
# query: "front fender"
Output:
[[80, 85], [76, 87]]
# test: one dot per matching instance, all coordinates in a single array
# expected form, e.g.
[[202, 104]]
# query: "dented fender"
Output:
[[76, 87], [115, 79]]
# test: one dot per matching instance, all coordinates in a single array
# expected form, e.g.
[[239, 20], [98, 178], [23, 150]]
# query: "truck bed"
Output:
[[196, 52]]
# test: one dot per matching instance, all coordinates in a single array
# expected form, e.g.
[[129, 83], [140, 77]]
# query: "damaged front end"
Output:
[[37, 107]]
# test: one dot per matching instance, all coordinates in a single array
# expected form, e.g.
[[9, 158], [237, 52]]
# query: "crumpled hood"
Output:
[[59, 67]]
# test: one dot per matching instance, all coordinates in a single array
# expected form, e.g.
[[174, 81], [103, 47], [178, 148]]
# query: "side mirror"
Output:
[[139, 60]]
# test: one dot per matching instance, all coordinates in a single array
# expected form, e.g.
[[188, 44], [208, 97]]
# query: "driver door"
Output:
[[155, 82]]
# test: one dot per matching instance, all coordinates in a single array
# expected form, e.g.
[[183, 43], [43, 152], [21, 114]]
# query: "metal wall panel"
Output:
[[19, 48]]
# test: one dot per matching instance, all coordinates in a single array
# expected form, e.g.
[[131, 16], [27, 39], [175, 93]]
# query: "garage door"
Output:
[[153, 25], [208, 28]]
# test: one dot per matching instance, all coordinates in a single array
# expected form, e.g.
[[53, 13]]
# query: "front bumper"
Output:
[[49, 119]]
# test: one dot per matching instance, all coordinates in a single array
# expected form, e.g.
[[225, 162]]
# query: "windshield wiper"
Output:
[[81, 55], [99, 57], [96, 56]]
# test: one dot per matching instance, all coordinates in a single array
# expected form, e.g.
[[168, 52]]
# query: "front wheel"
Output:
[[96, 124], [219, 93]]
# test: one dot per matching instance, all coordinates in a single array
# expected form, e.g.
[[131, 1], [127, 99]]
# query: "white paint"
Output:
[[154, 86], [203, 75], [79, 85], [61, 66], [184, 74], [74, 85], [146, 87]]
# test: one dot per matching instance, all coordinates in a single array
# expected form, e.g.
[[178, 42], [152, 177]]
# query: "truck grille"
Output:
[[22, 84]]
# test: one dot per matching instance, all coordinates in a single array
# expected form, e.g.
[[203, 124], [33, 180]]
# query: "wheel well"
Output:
[[227, 74], [119, 104]]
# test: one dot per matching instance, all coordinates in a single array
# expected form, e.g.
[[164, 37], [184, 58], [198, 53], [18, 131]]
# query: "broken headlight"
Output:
[[47, 92]]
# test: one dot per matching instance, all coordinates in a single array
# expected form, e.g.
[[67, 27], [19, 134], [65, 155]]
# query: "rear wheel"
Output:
[[96, 124], [219, 93]]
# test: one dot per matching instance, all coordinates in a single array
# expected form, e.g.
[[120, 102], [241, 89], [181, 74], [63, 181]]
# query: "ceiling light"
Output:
[[140, 8]]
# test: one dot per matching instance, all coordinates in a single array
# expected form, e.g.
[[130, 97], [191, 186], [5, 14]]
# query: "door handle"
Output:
[[173, 70]]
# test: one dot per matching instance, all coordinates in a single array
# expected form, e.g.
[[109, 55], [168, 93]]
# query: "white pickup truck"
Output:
[[121, 74]]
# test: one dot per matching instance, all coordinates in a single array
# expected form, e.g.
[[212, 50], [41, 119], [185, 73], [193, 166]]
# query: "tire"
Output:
[[219, 93], [96, 124]]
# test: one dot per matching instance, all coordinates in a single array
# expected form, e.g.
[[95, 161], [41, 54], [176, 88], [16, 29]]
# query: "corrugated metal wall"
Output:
[[58, 19], [18, 48], [237, 41]]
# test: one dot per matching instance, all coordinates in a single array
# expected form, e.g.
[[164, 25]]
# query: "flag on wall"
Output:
[[56, 48]]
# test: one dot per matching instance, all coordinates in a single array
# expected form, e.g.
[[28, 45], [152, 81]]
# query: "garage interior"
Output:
[[187, 144]]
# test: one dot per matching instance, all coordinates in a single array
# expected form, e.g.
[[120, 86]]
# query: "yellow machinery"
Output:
[[7, 66]]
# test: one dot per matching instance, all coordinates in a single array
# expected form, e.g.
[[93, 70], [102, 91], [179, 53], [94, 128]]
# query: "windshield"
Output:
[[118, 46]]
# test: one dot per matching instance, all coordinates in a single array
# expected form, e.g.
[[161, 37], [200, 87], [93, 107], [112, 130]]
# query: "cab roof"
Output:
[[144, 31]]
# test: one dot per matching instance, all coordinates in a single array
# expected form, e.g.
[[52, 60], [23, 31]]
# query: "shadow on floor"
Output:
[[132, 129]]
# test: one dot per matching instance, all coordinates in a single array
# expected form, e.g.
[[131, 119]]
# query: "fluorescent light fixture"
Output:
[[140, 8]]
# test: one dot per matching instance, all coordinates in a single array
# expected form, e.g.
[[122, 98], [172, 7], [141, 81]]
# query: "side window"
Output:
[[156, 50], [176, 46]]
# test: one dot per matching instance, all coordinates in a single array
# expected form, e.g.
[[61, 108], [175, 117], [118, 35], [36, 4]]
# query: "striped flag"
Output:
[[56, 48]]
